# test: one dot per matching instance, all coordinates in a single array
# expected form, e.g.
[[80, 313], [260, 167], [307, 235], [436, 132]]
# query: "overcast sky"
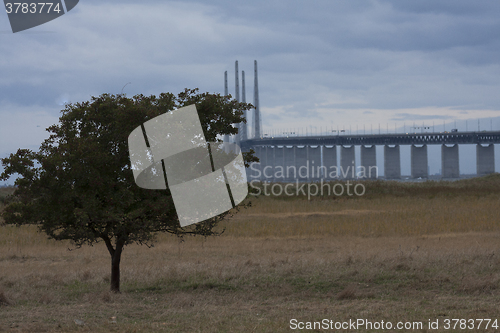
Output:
[[352, 64]]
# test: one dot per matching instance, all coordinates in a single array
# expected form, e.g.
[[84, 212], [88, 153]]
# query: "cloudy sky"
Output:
[[322, 63]]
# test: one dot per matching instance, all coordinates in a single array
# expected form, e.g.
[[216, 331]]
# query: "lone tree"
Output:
[[79, 185]]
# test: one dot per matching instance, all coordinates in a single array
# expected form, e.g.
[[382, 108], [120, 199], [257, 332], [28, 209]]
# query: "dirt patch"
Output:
[[352, 212]]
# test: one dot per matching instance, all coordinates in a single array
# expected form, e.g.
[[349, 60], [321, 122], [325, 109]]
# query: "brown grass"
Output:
[[385, 216], [427, 255], [348, 293], [237, 284], [3, 299]]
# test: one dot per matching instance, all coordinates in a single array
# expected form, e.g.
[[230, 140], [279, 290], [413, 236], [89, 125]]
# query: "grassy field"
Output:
[[403, 252]]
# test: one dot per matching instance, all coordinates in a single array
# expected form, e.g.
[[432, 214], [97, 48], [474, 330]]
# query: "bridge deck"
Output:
[[485, 137]]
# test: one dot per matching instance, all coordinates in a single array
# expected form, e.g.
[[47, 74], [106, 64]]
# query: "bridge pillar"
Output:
[[368, 162], [449, 162], [263, 162], [485, 159], [225, 140], [301, 163], [314, 158], [347, 162], [419, 162], [330, 162], [268, 171], [289, 158], [279, 164], [255, 170], [392, 162]]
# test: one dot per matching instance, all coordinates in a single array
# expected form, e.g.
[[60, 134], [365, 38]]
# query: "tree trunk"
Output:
[[116, 254], [115, 272]]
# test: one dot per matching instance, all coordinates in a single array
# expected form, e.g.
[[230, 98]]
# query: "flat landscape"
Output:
[[403, 252]]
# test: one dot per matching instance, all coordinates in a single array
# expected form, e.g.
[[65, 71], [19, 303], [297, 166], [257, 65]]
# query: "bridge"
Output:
[[282, 158], [379, 139], [318, 155]]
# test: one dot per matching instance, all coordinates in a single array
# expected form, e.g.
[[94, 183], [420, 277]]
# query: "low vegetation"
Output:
[[403, 252]]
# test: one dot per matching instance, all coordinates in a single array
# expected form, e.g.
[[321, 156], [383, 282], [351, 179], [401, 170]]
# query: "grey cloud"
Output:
[[413, 116], [450, 7], [376, 54]]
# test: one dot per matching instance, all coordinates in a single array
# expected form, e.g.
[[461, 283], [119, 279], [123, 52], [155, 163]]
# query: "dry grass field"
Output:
[[401, 253]]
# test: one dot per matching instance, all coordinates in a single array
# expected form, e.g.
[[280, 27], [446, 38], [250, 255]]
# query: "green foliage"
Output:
[[79, 185]]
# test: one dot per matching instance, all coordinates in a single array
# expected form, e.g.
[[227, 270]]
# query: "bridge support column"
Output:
[[263, 162], [225, 140], [330, 162], [347, 162], [289, 158], [301, 163], [419, 162], [255, 170], [368, 162], [314, 158], [392, 162], [485, 159], [268, 171], [279, 164], [449, 162]]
